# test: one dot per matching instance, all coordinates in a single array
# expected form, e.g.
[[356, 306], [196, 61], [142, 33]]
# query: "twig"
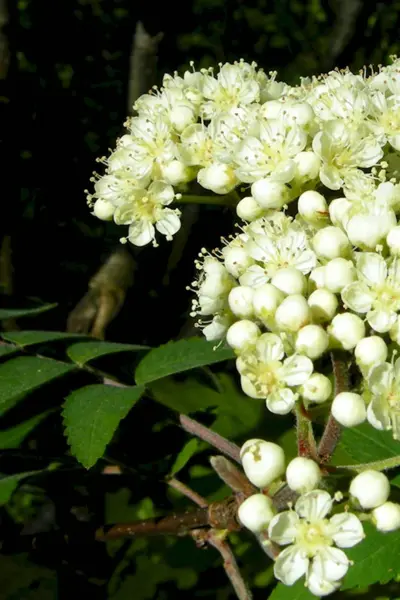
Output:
[[186, 491], [223, 445], [305, 436], [331, 435], [230, 565], [231, 475]]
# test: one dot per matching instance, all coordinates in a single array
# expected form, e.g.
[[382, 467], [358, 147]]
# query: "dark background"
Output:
[[63, 102]]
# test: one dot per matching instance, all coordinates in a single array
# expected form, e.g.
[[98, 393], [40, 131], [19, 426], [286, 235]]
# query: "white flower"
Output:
[[347, 330], [387, 517], [317, 388], [235, 85], [242, 334], [384, 385], [312, 538], [145, 210], [212, 288], [341, 149], [377, 293], [266, 376], [271, 154], [323, 304], [218, 178]]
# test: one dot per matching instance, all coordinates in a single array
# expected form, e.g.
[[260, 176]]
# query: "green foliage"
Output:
[[83, 352], [91, 416], [14, 436], [30, 338], [376, 559], [187, 452], [296, 592], [8, 483], [17, 313], [366, 444], [177, 357], [23, 374]]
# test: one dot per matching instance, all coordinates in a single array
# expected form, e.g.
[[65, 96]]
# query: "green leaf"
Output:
[[23, 374], [7, 350], [83, 352], [376, 559], [8, 483], [12, 438], [366, 444], [28, 338], [236, 414], [179, 356], [16, 313], [298, 591], [91, 416], [188, 450]]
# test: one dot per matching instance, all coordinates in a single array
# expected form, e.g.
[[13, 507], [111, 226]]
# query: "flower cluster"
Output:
[[314, 543], [315, 265]]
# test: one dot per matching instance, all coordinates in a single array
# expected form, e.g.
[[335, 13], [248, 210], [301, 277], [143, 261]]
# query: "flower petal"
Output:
[[358, 297], [282, 401], [254, 276], [380, 378], [381, 320], [269, 347], [314, 505], [346, 530], [330, 563], [378, 414], [296, 370], [169, 223], [291, 564], [283, 527], [141, 233], [321, 587], [372, 267]]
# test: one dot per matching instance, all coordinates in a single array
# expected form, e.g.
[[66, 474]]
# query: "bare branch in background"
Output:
[[106, 295], [143, 64], [4, 46], [343, 29]]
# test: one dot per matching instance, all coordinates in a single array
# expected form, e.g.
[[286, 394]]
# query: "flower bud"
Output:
[[317, 278], [176, 172], [307, 165], [263, 462], [323, 305], [394, 332], [317, 388], [330, 242], [349, 409], [339, 272], [303, 475], [347, 330], [370, 488], [370, 350], [339, 210], [290, 281], [387, 517], [217, 177], [256, 512], [248, 209], [103, 210], [242, 334], [266, 300], [293, 313], [271, 109], [300, 112], [240, 301], [312, 206], [312, 340], [236, 260], [270, 194], [217, 329], [393, 240], [367, 231]]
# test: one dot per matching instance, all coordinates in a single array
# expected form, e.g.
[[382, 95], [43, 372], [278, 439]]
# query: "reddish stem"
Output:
[[214, 439]]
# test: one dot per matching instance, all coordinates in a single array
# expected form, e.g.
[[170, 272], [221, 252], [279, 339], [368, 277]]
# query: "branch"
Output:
[[231, 475], [189, 493], [230, 565], [331, 435], [223, 445]]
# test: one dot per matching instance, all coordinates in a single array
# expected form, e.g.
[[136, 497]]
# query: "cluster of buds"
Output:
[[314, 543]]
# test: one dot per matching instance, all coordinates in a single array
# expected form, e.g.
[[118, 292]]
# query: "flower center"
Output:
[[312, 536]]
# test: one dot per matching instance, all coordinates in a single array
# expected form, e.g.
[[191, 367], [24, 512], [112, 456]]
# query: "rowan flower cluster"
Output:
[[315, 265], [314, 543]]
